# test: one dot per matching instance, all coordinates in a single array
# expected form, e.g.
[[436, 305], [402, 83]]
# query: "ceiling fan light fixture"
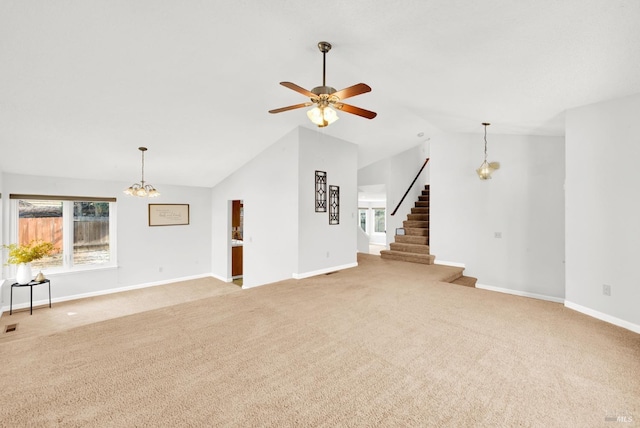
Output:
[[324, 97], [322, 116]]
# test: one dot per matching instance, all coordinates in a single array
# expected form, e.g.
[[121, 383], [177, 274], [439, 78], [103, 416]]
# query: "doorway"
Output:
[[237, 241], [372, 216]]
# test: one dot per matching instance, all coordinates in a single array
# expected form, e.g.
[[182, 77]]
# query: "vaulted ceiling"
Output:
[[83, 83]]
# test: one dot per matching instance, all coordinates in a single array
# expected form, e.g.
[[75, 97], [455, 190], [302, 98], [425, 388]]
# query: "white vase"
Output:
[[24, 275]]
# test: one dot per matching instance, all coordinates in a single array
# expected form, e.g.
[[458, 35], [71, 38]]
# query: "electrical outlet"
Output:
[[606, 289], [497, 235], [160, 269]]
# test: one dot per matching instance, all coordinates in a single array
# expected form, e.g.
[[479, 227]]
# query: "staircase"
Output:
[[413, 246]]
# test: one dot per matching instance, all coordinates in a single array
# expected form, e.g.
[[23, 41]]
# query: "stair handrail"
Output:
[[410, 186]]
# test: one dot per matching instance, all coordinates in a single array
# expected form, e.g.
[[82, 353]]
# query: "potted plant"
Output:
[[23, 255]]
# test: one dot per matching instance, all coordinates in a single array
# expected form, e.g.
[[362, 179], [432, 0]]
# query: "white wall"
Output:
[[283, 235], [377, 238], [2, 223], [2, 227], [324, 247], [397, 173], [363, 241], [268, 187], [603, 209], [524, 202], [181, 251]]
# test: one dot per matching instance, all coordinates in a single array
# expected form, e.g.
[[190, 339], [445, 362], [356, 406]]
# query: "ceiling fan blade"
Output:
[[352, 91], [293, 107], [356, 110], [297, 88]]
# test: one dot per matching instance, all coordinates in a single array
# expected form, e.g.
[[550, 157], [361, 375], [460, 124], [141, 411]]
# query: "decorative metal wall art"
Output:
[[334, 204], [321, 191]]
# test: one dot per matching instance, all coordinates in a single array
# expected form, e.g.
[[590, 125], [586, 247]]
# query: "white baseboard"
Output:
[[603, 317], [454, 264], [587, 311], [102, 292], [521, 293], [221, 278], [323, 271]]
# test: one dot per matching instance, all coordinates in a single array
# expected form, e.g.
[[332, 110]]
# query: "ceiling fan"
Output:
[[325, 97]]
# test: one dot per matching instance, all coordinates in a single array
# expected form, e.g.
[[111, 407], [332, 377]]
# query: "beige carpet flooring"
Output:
[[383, 344]]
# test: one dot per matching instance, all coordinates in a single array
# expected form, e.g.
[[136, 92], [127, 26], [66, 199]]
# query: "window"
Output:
[[379, 220], [90, 233], [362, 213], [82, 230], [41, 220]]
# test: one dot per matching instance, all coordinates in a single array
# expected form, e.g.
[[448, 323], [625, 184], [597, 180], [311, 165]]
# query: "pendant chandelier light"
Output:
[[486, 168], [142, 189]]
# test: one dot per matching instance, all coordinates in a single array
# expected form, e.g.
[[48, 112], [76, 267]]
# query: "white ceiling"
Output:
[[84, 83]]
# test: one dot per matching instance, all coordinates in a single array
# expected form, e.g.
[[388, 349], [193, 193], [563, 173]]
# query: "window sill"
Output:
[[78, 270]]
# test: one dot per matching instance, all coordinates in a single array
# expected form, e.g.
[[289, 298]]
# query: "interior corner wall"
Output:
[[602, 208], [268, 187], [507, 231], [2, 226], [397, 173], [323, 247]]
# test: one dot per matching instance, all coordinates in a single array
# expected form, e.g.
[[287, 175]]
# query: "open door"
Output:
[[237, 233]]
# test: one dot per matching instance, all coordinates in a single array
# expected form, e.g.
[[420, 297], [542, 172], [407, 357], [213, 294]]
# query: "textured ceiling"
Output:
[[84, 83]]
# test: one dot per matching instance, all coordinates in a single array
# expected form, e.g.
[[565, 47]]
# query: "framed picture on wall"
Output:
[[168, 214]]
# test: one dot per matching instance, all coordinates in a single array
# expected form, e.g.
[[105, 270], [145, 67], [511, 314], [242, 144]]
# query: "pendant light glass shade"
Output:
[[322, 116], [142, 189], [486, 169]]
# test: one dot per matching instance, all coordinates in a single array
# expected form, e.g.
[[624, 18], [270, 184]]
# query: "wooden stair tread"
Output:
[[426, 259], [418, 217], [415, 223], [412, 239], [420, 210], [417, 231], [409, 248]]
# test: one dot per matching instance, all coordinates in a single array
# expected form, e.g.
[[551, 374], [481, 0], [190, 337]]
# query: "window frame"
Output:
[[366, 219], [67, 225], [373, 217]]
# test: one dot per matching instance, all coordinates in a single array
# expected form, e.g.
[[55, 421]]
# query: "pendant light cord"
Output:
[[485, 142], [485, 149]]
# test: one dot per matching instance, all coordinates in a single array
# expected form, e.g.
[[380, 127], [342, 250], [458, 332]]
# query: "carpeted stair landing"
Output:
[[467, 281]]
